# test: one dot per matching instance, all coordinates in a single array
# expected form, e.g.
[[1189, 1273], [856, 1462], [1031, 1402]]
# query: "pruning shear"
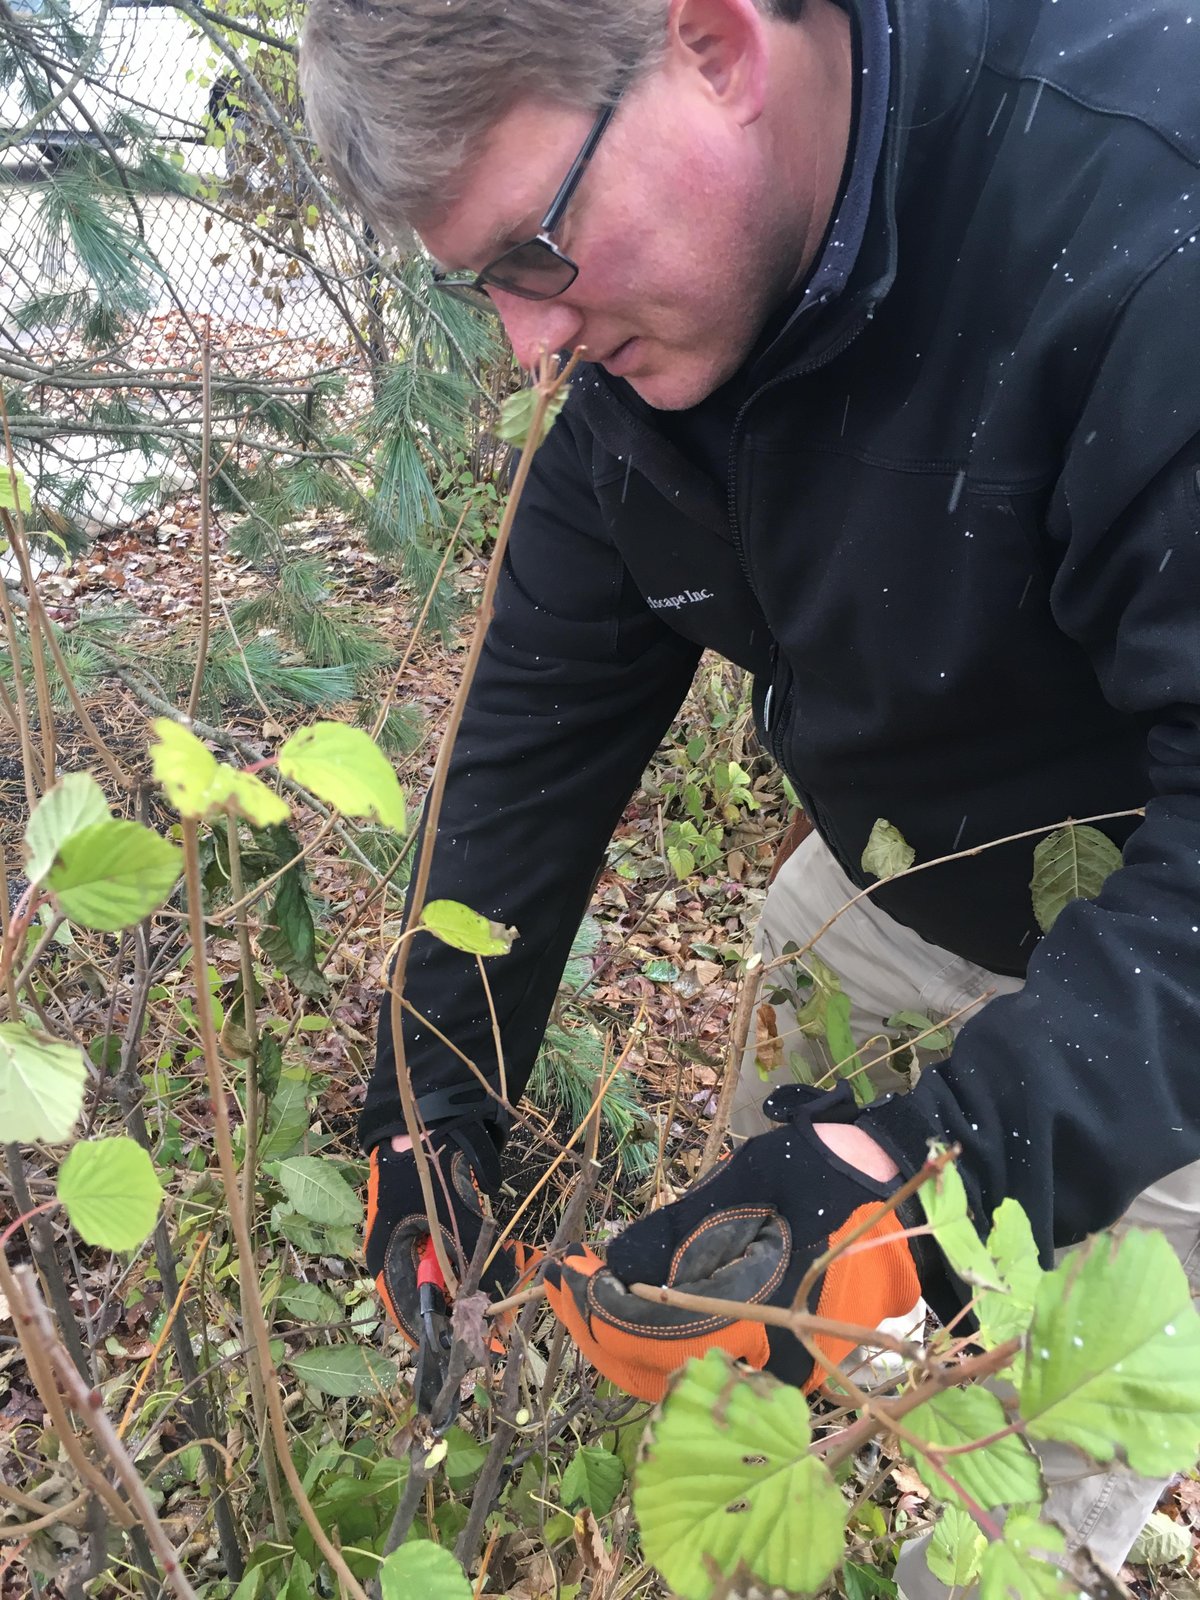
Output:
[[433, 1354]]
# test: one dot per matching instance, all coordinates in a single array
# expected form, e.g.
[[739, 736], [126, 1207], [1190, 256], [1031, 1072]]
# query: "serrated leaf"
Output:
[[111, 1192], [888, 851], [344, 1370], [1003, 1473], [345, 767], [1070, 864], [956, 1549], [12, 500], [1161, 1542], [944, 1201], [1015, 1564], [1006, 1314], [198, 785], [516, 416], [422, 1568], [457, 925], [111, 874], [307, 1302], [319, 1193], [1113, 1360], [727, 1482], [74, 803], [41, 1085], [593, 1478]]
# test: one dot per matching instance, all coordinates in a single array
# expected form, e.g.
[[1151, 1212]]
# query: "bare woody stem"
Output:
[[549, 384], [89, 1405], [205, 523], [247, 1273]]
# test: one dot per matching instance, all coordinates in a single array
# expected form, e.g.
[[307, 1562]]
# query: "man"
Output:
[[893, 311]]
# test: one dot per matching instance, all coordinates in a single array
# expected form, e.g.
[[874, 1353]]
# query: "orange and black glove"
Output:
[[398, 1228], [748, 1231]]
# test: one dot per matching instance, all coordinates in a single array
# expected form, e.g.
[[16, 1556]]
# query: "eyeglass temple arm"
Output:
[[563, 198]]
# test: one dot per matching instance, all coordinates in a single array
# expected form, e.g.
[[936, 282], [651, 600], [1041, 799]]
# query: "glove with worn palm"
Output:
[[398, 1226], [747, 1232]]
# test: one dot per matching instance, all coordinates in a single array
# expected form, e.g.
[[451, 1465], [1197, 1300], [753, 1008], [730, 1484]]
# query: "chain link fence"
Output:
[[158, 195]]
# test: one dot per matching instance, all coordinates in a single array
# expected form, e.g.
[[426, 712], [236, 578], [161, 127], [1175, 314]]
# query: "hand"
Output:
[[398, 1225], [747, 1232]]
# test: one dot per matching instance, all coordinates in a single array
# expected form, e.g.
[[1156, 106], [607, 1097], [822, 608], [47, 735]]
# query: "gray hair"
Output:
[[398, 93]]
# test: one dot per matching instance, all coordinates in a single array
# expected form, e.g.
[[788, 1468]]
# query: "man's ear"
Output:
[[725, 44]]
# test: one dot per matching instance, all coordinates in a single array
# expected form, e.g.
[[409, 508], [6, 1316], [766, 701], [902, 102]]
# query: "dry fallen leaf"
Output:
[[768, 1047]]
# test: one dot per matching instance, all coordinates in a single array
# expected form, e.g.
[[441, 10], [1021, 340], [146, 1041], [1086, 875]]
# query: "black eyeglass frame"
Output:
[[541, 240]]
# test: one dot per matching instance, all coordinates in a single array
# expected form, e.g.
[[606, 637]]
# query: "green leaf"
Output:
[[944, 1201], [464, 1458], [516, 416], [309, 1303], [111, 874], [1070, 864], [289, 940], [422, 1568], [198, 785], [344, 767], [660, 970], [1015, 1565], [593, 1478], [318, 1192], [841, 1046], [464, 929], [865, 1583], [1113, 1360], [74, 803], [41, 1085], [287, 1116], [9, 500], [888, 851], [1006, 1315], [956, 1549], [1004, 1473], [344, 1371], [1161, 1542], [727, 1483], [111, 1192]]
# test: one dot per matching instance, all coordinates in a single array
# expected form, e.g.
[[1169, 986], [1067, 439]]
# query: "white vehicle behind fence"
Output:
[[146, 62]]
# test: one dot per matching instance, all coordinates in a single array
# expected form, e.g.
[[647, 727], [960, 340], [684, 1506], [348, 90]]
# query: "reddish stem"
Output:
[[46, 1205]]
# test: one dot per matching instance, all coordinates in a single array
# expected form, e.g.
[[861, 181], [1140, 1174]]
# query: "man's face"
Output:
[[685, 232]]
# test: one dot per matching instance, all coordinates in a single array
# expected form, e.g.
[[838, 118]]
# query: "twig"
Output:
[[796, 1322], [549, 384], [205, 522], [229, 1181], [89, 1404], [742, 1015]]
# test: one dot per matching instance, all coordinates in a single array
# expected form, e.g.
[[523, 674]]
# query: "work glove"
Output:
[[398, 1226], [748, 1231]]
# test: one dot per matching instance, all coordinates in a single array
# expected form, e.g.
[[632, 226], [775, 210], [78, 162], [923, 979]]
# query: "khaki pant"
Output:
[[885, 968]]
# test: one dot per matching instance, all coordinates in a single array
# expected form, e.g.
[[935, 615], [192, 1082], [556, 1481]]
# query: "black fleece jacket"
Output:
[[958, 545]]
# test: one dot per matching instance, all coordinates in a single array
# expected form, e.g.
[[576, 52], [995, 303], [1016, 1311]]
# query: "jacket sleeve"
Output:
[[577, 683], [1081, 1090]]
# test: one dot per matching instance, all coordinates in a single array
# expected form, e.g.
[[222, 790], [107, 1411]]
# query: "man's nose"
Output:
[[536, 325]]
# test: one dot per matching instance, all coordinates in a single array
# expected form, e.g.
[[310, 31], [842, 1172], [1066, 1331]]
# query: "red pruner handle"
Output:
[[428, 1271]]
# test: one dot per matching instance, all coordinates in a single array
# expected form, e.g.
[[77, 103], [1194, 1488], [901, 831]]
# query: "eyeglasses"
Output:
[[537, 269]]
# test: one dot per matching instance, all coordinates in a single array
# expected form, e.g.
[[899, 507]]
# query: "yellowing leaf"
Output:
[[8, 500], [458, 925], [74, 803], [887, 851], [517, 413], [112, 874], [111, 1192], [41, 1085], [344, 767], [198, 785]]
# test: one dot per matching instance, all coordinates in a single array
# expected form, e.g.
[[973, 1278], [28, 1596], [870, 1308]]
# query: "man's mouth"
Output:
[[620, 360]]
